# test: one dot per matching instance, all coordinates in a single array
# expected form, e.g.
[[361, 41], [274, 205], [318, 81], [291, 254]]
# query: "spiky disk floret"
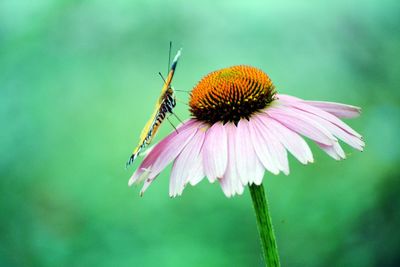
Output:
[[230, 94]]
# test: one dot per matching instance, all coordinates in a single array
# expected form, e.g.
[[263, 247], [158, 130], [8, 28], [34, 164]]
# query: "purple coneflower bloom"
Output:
[[241, 127]]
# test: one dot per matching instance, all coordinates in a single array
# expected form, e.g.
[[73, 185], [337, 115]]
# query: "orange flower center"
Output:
[[231, 94]]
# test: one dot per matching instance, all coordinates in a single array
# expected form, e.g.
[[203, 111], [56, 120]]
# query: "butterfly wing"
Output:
[[146, 136], [153, 124]]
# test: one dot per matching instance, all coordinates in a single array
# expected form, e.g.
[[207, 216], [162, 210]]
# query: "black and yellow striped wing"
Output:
[[164, 105]]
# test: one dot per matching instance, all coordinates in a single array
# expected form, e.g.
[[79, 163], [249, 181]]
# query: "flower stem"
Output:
[[264, 223]]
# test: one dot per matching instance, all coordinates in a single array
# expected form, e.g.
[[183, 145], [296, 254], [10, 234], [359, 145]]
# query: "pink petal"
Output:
[[335, 151], [230, 186], [337, 109], [184, 164], [302, 124], [152, 156], [197, 173], [272, 144], [164, 154], [260, 147], [287, 97], [146, 185], [146, 163], [337, 131], [245, 154], [172, 149], [319, 112], [230, 182], [169, 148], [291, 140], [258, 174], [143, 176], [215, 151], [249, 168]]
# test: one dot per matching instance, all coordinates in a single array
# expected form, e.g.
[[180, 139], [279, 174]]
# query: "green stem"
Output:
[[264, 223]]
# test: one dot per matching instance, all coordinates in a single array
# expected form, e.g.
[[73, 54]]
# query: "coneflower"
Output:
[[240, 127]]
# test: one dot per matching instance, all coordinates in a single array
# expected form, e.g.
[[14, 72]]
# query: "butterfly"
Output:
[[164, 106]]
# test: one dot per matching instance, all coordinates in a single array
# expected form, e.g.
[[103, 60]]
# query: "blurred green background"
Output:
[[78, 80]]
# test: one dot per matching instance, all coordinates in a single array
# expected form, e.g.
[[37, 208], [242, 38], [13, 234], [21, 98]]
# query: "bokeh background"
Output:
[[78, 80]]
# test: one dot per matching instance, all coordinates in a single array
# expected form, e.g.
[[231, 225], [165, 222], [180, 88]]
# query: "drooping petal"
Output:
[[143, 176], [169, 151], [301, 105], [301, 124], [272, 144], [263, 153], [215, 151], [154, 153], [343, 135], [172, 149], [258, 174], [335, 151], [197, 173], [249, 168], [148, 161], [146, 185], [230, 182], [337, 109], [245, 154], [290, 139], [185, 163]]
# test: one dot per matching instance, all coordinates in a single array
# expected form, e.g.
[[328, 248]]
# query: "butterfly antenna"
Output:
[[169, 56], [162, 77], [172, 124], [182, 91]]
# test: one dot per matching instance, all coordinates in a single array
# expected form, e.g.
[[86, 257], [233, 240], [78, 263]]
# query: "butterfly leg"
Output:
[[176, 116], [172, 124]]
